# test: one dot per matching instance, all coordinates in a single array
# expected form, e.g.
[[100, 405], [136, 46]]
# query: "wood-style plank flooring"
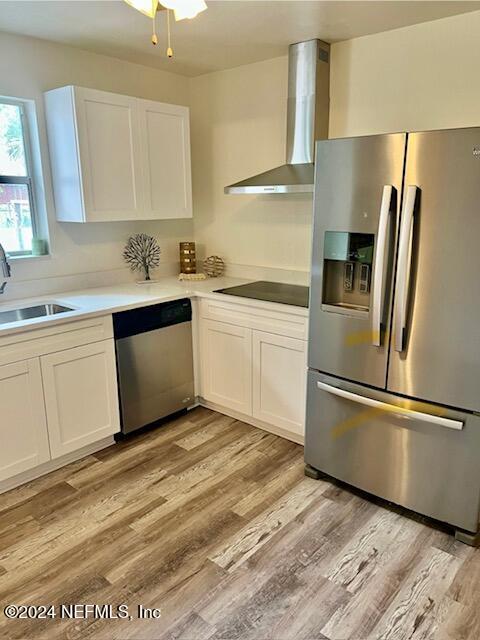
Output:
[[213, 522]]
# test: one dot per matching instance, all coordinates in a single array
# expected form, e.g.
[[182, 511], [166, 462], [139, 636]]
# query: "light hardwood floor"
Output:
[[213, 522]]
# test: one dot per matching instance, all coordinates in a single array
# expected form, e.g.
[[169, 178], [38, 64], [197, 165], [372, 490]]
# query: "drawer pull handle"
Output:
[[391, 408]]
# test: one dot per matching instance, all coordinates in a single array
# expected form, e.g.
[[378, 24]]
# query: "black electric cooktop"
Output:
[[270, 292]]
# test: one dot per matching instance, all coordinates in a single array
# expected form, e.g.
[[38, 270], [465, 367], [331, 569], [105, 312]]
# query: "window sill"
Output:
[[46, 256]]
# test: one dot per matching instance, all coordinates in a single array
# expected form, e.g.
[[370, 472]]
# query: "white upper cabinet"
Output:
[[165, 138], [109, 152], [115, 157]]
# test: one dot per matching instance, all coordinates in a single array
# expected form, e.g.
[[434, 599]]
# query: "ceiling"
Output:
[[230, 33]]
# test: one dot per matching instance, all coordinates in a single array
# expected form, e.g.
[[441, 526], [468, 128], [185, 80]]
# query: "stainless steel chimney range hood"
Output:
[[307, 121]]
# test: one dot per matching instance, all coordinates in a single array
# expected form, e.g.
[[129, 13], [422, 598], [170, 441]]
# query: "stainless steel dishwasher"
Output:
[[154, 362]]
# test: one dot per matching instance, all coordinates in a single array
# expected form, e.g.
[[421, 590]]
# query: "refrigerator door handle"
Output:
[[404, 265], [378, 267], [391, 408]]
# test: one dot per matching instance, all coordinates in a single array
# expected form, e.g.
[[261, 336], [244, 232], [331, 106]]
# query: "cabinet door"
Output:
[[23, 427], [80, 387], [110, 158], [165, 136], [279, 380], [226, 365]]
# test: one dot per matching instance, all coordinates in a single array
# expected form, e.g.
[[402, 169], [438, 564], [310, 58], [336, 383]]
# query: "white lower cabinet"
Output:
[[279, 380], [58, 397], [23, 427], [258, 373], [80, 396], [226, 365]]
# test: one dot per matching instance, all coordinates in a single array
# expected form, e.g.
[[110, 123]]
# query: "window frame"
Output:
[[28, 179]]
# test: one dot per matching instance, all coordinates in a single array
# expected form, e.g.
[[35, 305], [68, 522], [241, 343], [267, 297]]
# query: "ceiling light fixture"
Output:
[[182, 9], [185, 8]]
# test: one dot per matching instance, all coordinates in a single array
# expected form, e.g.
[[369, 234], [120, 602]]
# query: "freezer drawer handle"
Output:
[[391, 408], [378, 267], [404, 266]]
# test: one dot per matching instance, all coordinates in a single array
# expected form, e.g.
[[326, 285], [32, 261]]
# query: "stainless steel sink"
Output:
[[28, 313]]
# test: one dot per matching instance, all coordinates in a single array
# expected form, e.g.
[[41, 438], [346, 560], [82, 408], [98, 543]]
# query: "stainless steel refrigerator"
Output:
[[393, 403]]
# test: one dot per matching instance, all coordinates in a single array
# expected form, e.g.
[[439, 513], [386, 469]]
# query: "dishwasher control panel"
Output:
[[155, 316]]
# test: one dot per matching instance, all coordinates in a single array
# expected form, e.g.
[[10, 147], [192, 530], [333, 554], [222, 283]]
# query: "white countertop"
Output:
[[106, 300]]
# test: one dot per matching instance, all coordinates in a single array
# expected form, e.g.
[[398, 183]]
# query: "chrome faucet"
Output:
[[5, 267]]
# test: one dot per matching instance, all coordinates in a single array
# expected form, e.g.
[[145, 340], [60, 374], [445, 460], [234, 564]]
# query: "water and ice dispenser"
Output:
[[347, 272]]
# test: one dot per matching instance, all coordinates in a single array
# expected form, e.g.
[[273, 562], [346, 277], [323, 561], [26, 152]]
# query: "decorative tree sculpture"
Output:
[[142, 253]]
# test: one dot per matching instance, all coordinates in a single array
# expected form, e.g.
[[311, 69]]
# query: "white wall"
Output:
[[238, 130], [419, 77], [28, 67], [416, 78]]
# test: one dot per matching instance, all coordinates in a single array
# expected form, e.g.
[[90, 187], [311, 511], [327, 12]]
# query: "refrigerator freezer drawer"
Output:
[[414, 454]]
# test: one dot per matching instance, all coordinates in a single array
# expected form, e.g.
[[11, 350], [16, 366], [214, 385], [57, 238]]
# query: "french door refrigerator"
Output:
[[393, 400]]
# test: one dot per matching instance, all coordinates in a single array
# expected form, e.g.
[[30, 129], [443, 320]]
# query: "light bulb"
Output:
[[189, 9], [185, 8], [147, 7]]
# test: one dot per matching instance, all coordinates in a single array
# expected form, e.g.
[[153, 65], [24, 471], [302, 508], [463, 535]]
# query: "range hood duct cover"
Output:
[[307, 121]]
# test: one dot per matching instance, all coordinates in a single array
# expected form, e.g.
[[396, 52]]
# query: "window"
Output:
[[17, 214]]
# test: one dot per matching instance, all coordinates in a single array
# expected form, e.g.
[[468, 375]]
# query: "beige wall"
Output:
[[238, 129], [28, 67], [420, 77]]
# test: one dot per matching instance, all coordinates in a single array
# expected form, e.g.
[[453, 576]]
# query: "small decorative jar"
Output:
[[213, 266]]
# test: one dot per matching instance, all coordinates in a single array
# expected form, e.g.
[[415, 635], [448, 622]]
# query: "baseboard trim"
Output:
[[278, 431], [53, 465]]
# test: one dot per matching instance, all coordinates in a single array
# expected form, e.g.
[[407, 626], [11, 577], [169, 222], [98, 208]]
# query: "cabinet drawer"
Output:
[[38, 342], [255, 317]]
